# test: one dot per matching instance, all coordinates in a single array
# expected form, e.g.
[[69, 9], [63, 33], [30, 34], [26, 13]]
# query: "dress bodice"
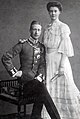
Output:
[[52, 35], [56, 36]]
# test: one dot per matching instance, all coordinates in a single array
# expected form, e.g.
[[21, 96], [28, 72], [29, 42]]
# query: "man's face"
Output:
[[35, 31]]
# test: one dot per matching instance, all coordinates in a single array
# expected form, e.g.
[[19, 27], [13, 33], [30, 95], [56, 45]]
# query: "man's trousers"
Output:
[[38, 91]]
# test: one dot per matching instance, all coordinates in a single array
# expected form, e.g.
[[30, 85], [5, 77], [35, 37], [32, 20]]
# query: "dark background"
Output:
[[15, 18]]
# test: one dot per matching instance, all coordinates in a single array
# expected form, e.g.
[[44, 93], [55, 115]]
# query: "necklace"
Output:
[[35, 47]]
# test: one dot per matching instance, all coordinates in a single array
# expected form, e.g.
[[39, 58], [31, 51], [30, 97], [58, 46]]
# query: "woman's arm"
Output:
[[61, 66]]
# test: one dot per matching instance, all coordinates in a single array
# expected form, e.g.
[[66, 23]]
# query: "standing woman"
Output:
[[59, 78]]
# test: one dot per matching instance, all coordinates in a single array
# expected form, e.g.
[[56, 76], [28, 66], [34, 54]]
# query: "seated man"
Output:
[[32, 71]]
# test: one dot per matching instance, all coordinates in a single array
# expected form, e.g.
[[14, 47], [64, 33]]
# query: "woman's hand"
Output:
[[18, 74], [61, 71]]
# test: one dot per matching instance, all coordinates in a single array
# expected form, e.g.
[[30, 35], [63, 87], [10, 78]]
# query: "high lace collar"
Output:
[[54, 23]]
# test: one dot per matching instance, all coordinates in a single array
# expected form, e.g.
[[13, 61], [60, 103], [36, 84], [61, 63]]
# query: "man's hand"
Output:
[[39, 78], [17, 74]]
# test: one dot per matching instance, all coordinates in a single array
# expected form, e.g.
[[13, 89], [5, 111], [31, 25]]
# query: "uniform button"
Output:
[[36, 61], [34, 57]]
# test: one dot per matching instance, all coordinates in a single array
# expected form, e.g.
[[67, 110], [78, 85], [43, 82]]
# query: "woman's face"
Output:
[[54, 13]]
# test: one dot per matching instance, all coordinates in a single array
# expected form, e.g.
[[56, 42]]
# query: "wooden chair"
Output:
[[12, 91]]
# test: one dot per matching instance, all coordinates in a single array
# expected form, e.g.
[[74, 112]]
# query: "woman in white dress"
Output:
[[59, 78]]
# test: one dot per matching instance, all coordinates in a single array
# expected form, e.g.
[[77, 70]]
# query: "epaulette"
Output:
[[22, 40]]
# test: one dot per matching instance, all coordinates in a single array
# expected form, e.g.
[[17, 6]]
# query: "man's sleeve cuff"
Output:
[[13, 71]]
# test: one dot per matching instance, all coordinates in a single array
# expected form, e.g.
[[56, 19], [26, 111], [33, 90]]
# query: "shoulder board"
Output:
[[22, 40]]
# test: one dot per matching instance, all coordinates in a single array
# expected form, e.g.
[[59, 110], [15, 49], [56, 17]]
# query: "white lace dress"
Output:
[[62, 89]]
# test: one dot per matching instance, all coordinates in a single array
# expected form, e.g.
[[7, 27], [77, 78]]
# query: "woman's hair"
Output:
[[54, 4], [34, 22]]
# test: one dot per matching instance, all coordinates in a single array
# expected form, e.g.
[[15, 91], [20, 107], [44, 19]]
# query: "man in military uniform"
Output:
[[32, 71]]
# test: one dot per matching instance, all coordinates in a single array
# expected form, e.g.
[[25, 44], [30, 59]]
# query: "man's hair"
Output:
[[34, 22]]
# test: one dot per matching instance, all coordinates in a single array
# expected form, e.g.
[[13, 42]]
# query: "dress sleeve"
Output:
[[65, 45]]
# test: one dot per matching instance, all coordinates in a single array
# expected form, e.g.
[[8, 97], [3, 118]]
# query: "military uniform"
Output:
[[31, 59], [32, 64]]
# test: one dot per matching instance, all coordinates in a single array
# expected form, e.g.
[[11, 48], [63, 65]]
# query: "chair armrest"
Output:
[[8, 83], [11, 87]]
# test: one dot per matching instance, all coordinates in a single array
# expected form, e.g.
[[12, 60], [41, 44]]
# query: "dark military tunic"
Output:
[[32, 59]]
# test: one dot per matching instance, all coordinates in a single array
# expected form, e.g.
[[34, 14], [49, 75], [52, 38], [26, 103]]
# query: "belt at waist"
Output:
[[50, 50]]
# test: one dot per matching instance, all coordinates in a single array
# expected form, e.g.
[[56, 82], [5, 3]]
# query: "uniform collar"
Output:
[[33, 41]]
